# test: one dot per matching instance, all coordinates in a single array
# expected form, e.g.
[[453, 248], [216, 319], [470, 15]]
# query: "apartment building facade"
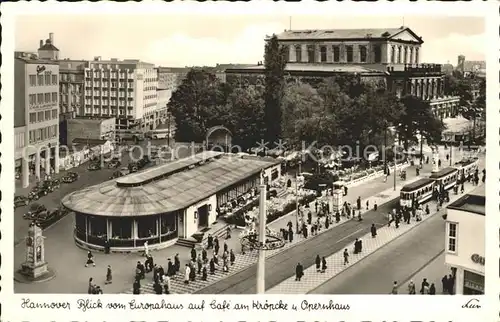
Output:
[[123, 89], [36, 114]]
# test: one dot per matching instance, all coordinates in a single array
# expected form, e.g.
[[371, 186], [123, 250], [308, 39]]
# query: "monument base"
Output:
[[29, 274]]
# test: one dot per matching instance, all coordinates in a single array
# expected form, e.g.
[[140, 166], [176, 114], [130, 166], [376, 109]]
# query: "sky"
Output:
[[196, 40]]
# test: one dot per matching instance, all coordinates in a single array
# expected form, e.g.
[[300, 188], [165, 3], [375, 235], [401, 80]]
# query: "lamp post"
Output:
[[168, 127], [395, 159], [385, 150], [261, 266], [297, 204], [421, 148]]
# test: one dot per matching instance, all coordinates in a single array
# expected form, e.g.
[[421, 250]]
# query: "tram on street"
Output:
[[466, 168], [419, 191], [445, 178]]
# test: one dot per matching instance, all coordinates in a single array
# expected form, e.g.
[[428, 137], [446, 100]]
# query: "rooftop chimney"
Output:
[[41, 43], [51, 37]]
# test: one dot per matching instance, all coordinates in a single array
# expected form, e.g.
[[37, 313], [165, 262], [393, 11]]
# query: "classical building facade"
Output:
[[385, 56], [36, 115]]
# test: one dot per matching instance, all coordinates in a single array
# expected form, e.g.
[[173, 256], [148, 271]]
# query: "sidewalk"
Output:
[[335, 263], [249, 258]]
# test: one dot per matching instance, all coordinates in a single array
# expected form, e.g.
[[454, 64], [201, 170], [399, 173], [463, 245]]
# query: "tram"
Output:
[[445, 179], [466, 168], [419, 191]]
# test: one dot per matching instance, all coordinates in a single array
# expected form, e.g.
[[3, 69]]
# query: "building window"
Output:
[[47, 97], [40, 80], [310, 54], [416, 55], [323, 54], [54, 97], [362, 54], [47, 115], [54, 79], [39, 98], [393, 54], [40, 116], [399, 54], [32, 136], [349, 54], [377, 51], [47, 79], [54, 113], [452, 237], [32, 80], [336, 54], [32, 118], [32, 99]]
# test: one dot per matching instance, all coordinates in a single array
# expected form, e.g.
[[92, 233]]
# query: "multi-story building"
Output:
[[171, 77], [36, 114], [465, 242], [386, 56], [71, 88], [124, 89], [90, 128], [471, 67]]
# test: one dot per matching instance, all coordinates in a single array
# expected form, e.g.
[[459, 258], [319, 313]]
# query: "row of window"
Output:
[[107, 74], [105, 101], [70, 77], [337, 54], [43, 80], [42, 98], [74, 99], [74, 88], [112, 84], [43, 116], [104, 93], [40, 135], [104, 111], [149, 97]]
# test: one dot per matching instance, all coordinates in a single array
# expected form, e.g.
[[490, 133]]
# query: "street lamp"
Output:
[[395, 159], [421, 148]]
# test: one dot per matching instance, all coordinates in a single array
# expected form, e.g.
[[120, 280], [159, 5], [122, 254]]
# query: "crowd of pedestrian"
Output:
[[426, 288]]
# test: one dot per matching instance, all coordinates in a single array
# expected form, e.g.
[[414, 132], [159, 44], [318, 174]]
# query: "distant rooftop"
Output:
[[48, 46], [344, 34], [474, 202], [32, 58]]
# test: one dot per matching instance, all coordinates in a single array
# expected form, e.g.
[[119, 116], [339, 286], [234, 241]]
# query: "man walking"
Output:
[[346, 257]]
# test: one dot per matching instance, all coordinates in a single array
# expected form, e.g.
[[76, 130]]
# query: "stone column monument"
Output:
[[435, 159], [35, 265]]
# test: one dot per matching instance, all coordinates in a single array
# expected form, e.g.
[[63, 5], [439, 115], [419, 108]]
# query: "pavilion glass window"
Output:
[[146, 226], [97, 226], [298, 53], [362, 54], [168, 224], [310, 54], [349, 54], [323, 54], [122, 228], [377, 50], [80, 224], [336, 54]]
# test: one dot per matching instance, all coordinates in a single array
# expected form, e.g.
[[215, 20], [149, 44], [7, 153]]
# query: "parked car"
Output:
[[73, 174], [47, 185], [36, 193], [124, 171], [116, 174], [34, 210], [132, 167], [68, 179], [55, 183], [143, 162], [94, 166], [46, 218], [20, 201], [113, 164]]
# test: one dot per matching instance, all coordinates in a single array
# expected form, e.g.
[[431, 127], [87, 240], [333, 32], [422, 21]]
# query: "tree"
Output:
[[305, 119], [274, 63], [417, 116], [198, 104], [247, 122]]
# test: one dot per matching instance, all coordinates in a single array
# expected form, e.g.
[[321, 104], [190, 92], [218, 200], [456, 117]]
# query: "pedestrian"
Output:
[[170, 268], [210, 242], [327, 222], [107, 248], [199, 263], [216, 243], [187, 273], [212, 266], [193, 253], [225, 248], [444, 282], [146, 249], [323, 265], [432, 289], [225, 267], [358, 203], [90, 289], [90, 259], [136, 287], [204, 256], [356, 246], [318, 263], [359, 216], [232, 257], [394, 288], [424, 289], [204, 274], [157, 288], [228, 232], [177, 263], [373, 230], [290, 235], [375, 206], [411, 288], [216, 246], [367, 204], [109, 276], [346, 257], [299, 272], [304, 231], [337, 217], [396, 221], [166, 284], [451, 284]]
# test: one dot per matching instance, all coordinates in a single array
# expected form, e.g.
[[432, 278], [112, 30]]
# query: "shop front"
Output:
[[125, 233]]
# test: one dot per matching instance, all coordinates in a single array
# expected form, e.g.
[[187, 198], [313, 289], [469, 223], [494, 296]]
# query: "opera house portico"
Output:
[[164, 203]]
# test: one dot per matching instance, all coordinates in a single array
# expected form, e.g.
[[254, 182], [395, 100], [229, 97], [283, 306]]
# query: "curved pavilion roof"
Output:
[[166, 188]]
